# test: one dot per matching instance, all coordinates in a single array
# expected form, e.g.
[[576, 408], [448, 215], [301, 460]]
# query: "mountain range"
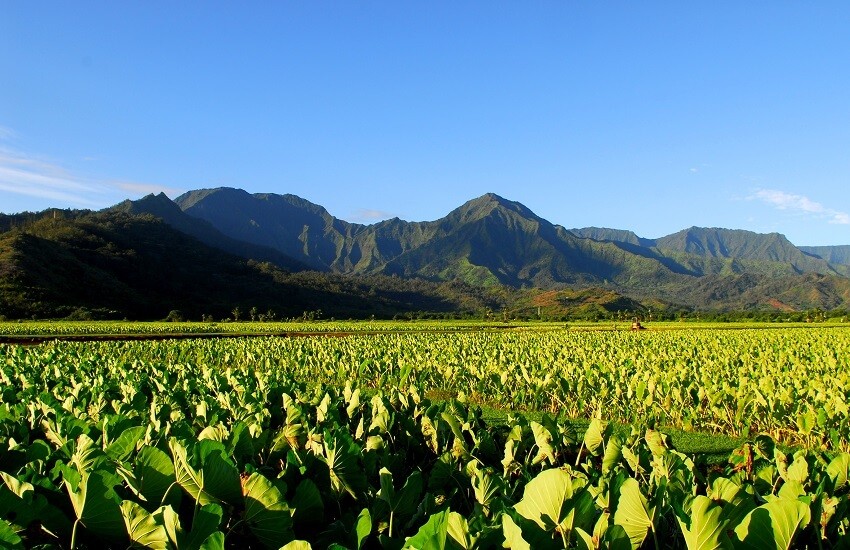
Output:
[[487, 243]]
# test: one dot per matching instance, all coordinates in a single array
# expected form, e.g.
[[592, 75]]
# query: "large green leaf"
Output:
[[543, 439], [703, 529], [633, 513], [405, 501], [205, 524], [513, 534], [594, 437], [9, 539], [97, 506], [213, 542], [87, 455], [613, 453], [347, 475], [190, 479], [547, 501], [363, 528], [220, 476], [144, 529], [154, 474], [266, 512], [432, 535], [309, 508], [772, 525], [838, 469], [123, 445]]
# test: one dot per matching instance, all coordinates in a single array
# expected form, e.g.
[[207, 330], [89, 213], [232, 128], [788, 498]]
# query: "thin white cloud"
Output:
[[368, 215], [32, 177], [27, 175], [141, 188], [7, 134], [800, 204]]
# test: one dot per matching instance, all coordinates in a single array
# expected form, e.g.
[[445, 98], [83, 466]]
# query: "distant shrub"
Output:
[[80, 314], [174, 316]]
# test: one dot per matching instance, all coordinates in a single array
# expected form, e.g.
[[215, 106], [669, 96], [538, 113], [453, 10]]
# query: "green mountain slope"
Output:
[[490, 241], [839, 255], [744, 245]]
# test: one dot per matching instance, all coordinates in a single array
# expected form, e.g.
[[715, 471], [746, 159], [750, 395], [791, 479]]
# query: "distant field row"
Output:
[[83, 328]]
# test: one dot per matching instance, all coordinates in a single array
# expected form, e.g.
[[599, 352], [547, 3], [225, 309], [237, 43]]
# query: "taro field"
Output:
[[381, 440]]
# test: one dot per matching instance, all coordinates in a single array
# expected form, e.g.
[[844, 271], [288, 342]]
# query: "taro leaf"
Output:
[[513, 534], [432, 535], [9, 539], [240, 443], [97, 506], [18, 502], [543, 440], [143, 528], [458, 531], [735, 500], [838, 470], [764, 446], [213, 542], [772, 525], [297, 545], [124, 444], [633, 513], [187, 477], [656, 441], [547, 501], [616, 538], [487, 488], [363, 527], [154, 473], [613, 454], [221, 478], [353, 403], [309, 508], [594, 437], [798, 470], [791, 490], [87, 455], [346, 474], [460, 443], [381, 418], [704, 528], [266, 512], [583, 540], [204, 526], [405, 501]]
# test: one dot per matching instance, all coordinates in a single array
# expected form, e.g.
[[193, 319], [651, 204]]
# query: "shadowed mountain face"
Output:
[[160, 206], [114, 265]]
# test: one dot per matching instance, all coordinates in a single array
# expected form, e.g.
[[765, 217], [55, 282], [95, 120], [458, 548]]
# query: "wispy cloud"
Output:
[[6, 134], [25, 175], [141, 188], [800, 204], [368, 215], [31, 176]]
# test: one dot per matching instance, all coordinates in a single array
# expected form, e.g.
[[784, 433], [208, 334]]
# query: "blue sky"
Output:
[[650, 116]]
